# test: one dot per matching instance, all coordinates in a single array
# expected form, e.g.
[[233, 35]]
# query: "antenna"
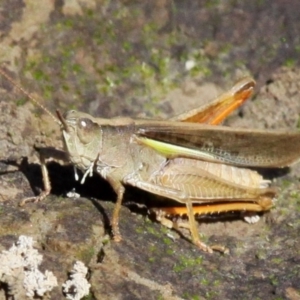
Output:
[[2, 72]]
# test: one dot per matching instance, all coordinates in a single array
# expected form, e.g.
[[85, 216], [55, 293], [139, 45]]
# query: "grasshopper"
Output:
[[187, 159]]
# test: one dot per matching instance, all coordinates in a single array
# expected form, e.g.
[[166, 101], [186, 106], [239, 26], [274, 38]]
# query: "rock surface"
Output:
[[123, 58]]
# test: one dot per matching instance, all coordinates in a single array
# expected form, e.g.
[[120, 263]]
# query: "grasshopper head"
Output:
[[82, 137]]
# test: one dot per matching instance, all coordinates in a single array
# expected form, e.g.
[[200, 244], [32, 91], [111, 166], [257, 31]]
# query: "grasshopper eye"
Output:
[[85, 123], [86, 130]]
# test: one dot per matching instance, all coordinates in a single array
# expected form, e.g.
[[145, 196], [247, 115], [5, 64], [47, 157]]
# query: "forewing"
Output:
[[241, 147]]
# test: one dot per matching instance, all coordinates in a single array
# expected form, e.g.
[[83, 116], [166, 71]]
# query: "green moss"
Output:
[[40, 75], [106, 240], [217, 283], [86, 255], [212, 3], [290, 62], [98, 57], [191, 297], [170, 251], [273, 280], [285, 184], [211, 294], [21, 101], [196, 297], [139, 230], [68, 23], [151, 259], [167, 241], [150, 229], [295, 194], [89, 297], [298, 123], [160, 297], [276, 260], [187, 262], [261, 254], [204, 282]]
